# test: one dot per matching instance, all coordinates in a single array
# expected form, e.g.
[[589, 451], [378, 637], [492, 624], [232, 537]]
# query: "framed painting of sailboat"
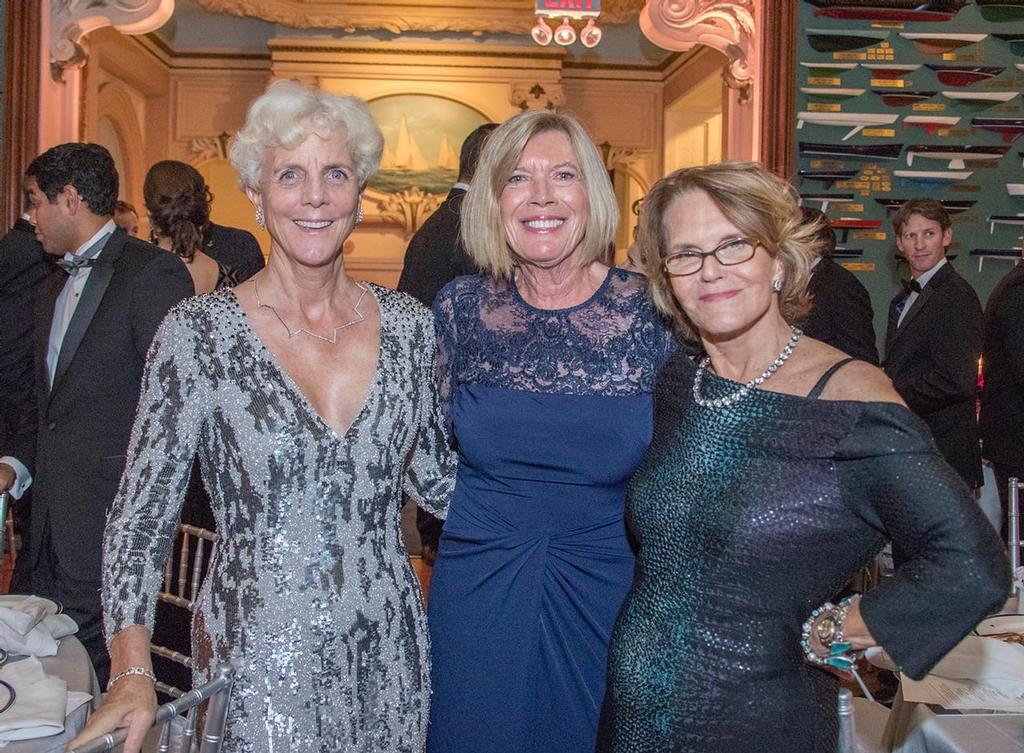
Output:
[[422, 138]]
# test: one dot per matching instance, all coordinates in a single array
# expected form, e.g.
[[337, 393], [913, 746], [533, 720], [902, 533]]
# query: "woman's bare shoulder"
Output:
[[863, 382]]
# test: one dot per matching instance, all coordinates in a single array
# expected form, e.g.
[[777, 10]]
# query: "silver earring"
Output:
[[260, 220], [359, 214], [777, 286]]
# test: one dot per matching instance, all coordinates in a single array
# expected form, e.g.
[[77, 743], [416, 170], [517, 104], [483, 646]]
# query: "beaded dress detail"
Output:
[[311, 595], [551, 410], [750, 515]]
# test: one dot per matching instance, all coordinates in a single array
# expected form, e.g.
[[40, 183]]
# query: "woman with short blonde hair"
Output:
[[548, 361]]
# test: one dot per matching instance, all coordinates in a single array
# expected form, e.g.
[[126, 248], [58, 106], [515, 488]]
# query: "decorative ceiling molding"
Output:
[[71, 20], [537, 95], [495, 16], [728, 27]]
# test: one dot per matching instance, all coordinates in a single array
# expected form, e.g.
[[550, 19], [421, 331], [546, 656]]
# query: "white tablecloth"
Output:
[[71, 664], [919, 728]]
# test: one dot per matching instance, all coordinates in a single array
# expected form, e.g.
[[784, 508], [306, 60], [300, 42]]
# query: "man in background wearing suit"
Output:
[[933, 337], [840, 312], [435, 256], [94, 323], [234, 248], [1002, 397], [23, 268]]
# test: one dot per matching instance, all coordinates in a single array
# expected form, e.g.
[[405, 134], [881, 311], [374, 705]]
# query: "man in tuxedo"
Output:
[[1002, 397], [435, 256], [933, 337], [23, 268], [840, 312], [235, 248], [94, 323]]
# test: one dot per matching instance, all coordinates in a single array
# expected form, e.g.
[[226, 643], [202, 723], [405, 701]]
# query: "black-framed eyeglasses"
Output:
[[728, 253]]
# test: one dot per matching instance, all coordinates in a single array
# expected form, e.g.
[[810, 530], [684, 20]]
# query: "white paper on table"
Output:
[[960, 694], [989, 661]]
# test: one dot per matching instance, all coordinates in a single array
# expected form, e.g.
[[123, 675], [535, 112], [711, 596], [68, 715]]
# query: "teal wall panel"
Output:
[[859, 90]]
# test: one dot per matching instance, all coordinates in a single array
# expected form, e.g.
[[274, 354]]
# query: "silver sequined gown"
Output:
[[310, 595]]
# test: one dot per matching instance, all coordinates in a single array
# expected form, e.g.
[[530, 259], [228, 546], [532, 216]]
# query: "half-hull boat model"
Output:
[[889, 10], [957, 155], [869, 152], [855, 121]]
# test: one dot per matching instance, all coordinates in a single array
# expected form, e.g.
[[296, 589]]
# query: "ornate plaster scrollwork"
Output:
[[727, 26], [493, 16], [537, 96], [617, 157], [408, 208], [209, 147], [71, 20]]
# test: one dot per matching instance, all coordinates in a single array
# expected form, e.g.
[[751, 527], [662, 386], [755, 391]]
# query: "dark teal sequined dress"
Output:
[[750, 516]]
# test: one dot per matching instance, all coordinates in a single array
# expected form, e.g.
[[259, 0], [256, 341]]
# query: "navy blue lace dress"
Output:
[[552, 412], [750, 516]]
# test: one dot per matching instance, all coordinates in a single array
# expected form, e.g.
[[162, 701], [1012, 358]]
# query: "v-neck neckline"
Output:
[[270, 357]]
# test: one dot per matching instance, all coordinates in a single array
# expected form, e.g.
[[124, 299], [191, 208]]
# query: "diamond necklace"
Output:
[[333, 339], [727, 400]]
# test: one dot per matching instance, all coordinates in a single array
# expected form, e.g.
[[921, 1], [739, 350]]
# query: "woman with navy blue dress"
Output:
[[548, 360]]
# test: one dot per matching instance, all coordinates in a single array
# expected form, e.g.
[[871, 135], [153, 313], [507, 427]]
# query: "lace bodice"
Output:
[[612, 344]]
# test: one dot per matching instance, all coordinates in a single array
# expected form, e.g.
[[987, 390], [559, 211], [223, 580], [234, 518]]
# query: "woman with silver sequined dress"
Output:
[[311, 400], [768, 484]]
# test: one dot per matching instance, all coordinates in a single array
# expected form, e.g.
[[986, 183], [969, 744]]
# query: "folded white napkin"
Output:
[[988, 661], [29, 627], [41, 705]]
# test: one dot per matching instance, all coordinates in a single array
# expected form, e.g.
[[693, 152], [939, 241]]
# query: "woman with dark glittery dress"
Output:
[[548, 361], [778, 468], [312, 402]]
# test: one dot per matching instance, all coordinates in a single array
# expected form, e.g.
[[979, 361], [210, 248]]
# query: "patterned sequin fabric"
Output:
[[748, 517], [311, 595]]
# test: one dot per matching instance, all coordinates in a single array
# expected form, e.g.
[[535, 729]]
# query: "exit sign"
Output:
[[569, 8]]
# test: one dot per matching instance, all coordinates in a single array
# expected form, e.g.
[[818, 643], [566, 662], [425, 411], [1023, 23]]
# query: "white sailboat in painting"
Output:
[[387, 159], [407, 154], [447, 158]]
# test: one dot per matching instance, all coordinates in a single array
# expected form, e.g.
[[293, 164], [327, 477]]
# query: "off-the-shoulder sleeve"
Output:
[[951, 569], [141, 523], [430, 475]]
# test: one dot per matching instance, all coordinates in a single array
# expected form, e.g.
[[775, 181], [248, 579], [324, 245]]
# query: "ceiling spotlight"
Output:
[[565, 35], [591, 34], [541, 32]]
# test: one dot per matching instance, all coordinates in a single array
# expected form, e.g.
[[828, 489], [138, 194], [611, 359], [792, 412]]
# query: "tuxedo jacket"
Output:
[[23, 268], [841, 312], [1002, 398], [75, 439], [932, 359], [435, 255], [236, 249]]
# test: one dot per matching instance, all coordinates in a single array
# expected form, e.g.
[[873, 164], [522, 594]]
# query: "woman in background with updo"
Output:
[[178, 202]]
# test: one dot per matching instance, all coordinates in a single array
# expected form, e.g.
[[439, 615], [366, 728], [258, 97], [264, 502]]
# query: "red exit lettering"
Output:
[[570, 4]]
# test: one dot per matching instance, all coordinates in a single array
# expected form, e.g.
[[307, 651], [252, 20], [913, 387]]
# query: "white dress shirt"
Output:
[[922, 281], [63, 311]]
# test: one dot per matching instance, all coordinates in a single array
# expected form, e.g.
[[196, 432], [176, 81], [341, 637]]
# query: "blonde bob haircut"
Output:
[[483, 232], [762, 206], [287, 113]]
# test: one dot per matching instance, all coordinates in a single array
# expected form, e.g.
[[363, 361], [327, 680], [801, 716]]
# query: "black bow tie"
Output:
[[911, 286], [75, 263]]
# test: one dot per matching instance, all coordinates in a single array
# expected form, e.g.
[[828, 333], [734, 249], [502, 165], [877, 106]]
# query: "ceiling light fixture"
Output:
[[568, 11]]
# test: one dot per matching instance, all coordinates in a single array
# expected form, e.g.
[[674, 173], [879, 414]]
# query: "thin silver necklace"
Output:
[[333, 339], [742, 392]]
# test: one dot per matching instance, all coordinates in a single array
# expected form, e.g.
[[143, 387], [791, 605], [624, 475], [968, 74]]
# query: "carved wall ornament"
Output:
[[209, 147], [408, 208], [71, 20], [495, 16], [537, 96], [727, 26]]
